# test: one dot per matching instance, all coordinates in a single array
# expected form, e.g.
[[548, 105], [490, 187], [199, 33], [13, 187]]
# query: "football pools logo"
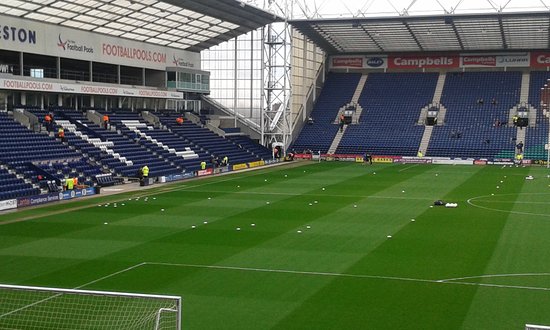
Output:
[[61, 43], [73, 46], [180, 62]]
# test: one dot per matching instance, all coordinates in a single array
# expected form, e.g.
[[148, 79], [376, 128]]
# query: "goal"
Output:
[[26, 307]]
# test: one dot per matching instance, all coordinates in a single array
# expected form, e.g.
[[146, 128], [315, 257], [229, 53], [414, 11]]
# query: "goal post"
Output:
[[536, 327], [28, 307]]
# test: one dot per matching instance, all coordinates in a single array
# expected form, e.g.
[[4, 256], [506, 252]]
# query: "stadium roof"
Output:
[[192, 25], [441, 33]]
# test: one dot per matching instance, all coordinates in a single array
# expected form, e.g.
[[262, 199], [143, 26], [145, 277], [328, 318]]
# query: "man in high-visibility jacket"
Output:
[[203, 165], [145, 171], [519, 159], [225, 161]]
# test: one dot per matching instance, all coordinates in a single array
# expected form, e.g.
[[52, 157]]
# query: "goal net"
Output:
[[24, 307]]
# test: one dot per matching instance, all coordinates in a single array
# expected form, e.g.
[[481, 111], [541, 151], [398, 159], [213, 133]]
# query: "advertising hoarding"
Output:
[[18, 34]]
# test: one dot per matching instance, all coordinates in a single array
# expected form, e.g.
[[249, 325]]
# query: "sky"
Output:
[[360, 8]]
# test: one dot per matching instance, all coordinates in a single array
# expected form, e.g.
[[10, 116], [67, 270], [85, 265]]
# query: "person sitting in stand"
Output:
[[179, 120], [480, 101], [310, 120], [497, 123], [494, 101]]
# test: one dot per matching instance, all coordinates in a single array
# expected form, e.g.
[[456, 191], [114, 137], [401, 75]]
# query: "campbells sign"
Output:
[[347, 62], [479, 61], [540, 59], [423, 62]]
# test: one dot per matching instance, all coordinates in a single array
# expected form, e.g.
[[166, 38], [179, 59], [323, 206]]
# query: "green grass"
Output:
[[442, 271]]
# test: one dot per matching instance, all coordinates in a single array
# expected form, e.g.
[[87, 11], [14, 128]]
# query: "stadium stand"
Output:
[[251, 146], [23, 150], [208, 141], [135, 149], [392, 102], [391, 105], [338, 91], [388, 125], [12, 186], [537, 136], [469, 129]]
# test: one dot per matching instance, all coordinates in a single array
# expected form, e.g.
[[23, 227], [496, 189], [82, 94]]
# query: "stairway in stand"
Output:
[[336, 141], [426, 137], [356, 115]]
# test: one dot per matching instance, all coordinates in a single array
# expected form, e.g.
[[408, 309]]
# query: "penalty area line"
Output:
[[344, 275]]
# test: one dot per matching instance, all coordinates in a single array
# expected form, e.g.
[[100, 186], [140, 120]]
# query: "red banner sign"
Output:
[[419, 62], [540, 59], [490, 61], [347, 62], [302, 156], [208, 171]]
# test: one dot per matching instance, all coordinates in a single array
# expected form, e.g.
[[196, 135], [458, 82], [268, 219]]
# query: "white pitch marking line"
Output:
[[78, 287], [471, 202], [493, 276], [110, 275], [512, 202], [284, 271], [532, 288], [393, 278], [313, 195]]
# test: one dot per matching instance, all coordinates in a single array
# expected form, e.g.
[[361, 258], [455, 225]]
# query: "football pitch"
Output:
[[315, 246]]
